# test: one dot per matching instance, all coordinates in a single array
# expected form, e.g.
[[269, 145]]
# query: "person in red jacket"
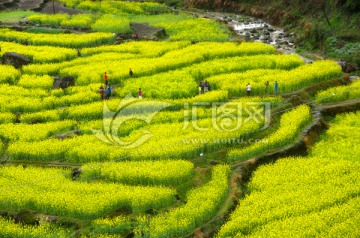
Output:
[[106, 78]]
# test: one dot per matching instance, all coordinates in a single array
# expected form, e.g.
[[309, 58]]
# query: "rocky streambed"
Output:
[[257, 30]]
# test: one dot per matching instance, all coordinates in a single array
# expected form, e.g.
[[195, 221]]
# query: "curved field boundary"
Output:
[[307, 138]]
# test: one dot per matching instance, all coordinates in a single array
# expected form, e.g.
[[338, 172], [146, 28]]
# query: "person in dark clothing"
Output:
[[276, 88], [108, 91], [131, 72], [206, 86], [101, 92]]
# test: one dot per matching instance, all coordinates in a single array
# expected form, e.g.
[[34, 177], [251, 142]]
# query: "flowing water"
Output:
[[252, 29]]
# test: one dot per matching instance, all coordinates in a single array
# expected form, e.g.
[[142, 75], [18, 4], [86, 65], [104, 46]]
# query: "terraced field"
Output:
[[174, 162]]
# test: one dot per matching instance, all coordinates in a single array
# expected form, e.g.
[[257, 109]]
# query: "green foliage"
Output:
[[122, 7], [71, 3], [155, 20], [78, 21], [1, 147], [351, 5], [341, 49], [186, 27], [14, 16], [110, 23], [44, 30], [52, 20], [199, 29]]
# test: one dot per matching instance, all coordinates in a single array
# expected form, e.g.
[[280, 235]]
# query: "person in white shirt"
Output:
[[248, 89]]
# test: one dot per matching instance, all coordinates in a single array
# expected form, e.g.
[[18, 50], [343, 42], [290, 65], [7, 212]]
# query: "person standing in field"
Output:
[[106, 78], [108, 91], [101, 92], [201, 87], [206, 86], [266, 87], [131, 72], [140, 93], [248, 89], [276, 88]]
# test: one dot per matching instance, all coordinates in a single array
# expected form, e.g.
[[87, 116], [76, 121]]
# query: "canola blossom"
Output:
[[114, 226], [62, 40], [340, 93], [7, 117], [299, 197], [57, 194], [161, 145], [168, 172], [202, 204], [40, 54], [183, 83], [11, 229], [35, 81], [291, 124], [8, 74], [341, 140], [64, 20], [15, 132], [84, 105], [172, 60], [305, 196], [145, 166], [288, 80]]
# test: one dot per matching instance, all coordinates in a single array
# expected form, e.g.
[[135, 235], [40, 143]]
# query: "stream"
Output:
[[257, 30]]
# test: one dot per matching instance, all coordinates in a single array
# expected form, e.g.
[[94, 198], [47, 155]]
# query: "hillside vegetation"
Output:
[[110, 131], [330, 28]]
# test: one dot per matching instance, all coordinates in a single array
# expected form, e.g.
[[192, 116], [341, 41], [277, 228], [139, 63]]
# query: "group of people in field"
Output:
[[276, 88], [106, 91], [204, 87]]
